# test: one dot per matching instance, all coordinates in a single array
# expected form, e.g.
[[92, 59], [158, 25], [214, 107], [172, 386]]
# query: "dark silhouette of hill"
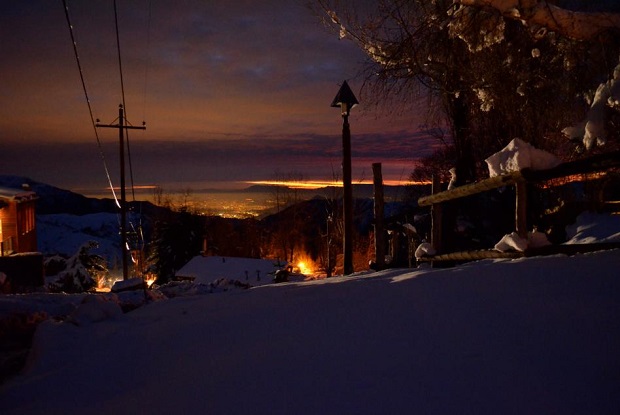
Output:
[[54, 200]]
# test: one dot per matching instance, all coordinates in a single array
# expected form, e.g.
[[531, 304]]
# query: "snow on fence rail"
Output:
[[519, 179], [588, 165]]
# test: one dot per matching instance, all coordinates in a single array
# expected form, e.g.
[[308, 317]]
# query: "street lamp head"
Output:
[[345, 99]]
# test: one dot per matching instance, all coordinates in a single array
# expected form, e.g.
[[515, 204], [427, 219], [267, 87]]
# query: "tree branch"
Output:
[[572, 24]]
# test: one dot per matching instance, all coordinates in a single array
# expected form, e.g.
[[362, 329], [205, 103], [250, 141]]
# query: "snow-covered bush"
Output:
[[76, 274]]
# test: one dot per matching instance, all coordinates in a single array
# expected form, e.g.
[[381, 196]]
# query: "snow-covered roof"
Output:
[[207, 269], [16, 195]]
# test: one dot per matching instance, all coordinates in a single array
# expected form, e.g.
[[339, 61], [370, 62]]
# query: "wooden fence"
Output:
[[519, 179]]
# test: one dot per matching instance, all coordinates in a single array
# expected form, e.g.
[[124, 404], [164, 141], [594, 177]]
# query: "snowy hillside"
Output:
[[528, 336], [65, 234]]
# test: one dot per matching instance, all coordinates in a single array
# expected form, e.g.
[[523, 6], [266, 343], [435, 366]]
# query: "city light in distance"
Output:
[[318, 184]]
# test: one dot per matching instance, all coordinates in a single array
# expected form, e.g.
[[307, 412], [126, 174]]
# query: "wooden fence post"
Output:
[[436, 217], [378, 210], [521, 208]]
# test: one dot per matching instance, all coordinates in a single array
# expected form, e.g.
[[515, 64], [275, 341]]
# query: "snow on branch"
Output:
[[490, 28], [336, 20], [592, 130], [572, 24]]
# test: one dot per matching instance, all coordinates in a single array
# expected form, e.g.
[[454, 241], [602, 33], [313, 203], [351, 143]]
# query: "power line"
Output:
[[148, 58], [120, 70], [90, 111], [139, 235]]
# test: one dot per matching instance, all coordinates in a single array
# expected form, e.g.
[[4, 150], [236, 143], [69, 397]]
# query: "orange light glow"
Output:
[[317, 184], [305, 265], [303, 268], [105, 283], [560, 181], [297, 185]]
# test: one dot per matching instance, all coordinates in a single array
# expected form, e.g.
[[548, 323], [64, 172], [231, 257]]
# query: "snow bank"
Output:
[[513, 242], [519, 155], [96, 308], [186, 288], [527, 336], [128, 285], [54, 305], [589, 228], [424, 249], [209, 269], [594, 227]]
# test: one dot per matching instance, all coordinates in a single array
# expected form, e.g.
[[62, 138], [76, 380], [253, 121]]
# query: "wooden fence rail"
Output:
[[519, 179]]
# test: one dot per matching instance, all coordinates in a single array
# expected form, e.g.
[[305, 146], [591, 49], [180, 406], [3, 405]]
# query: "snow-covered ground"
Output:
[[64, 234], [527, 336], [252, 271]]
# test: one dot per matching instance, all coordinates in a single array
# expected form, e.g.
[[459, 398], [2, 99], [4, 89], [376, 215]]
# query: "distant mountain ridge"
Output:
[[53, 200]]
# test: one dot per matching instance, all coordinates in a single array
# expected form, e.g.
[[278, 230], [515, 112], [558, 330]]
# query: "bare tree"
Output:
[[543, 16], [162, 198], [287, 195], [487, 72]]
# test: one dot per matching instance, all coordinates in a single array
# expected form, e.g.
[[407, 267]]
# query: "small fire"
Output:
[[305, 265], [304, 268], [150, 280], [105, 282]]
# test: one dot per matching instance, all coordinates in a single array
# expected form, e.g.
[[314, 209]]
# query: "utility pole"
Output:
[[123, 204]]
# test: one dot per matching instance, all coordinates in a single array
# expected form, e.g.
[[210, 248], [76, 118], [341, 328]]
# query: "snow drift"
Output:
[[526, 336]]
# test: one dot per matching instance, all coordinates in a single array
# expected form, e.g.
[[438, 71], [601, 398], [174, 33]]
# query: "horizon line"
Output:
[[291, 184], [318, 184]]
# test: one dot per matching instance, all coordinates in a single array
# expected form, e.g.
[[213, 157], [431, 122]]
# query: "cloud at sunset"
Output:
[[229, 90], [237, 159]]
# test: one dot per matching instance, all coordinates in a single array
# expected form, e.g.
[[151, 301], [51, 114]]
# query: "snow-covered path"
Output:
[[529, 336]]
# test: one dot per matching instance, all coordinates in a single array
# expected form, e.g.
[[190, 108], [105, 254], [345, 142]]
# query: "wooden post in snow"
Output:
[[378, 210], [436, 218], [521, 208]]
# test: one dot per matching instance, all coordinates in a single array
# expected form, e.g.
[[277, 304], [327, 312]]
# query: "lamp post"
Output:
[[345, 100]]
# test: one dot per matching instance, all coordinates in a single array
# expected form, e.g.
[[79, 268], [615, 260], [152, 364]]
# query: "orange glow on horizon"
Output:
[[317, 184], [311, 185], [138, 187]]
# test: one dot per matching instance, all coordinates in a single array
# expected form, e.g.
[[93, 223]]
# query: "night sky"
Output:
[[231, 91]]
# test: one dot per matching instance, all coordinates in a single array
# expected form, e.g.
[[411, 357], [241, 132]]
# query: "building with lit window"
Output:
[[21, 266], [17, 221]]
